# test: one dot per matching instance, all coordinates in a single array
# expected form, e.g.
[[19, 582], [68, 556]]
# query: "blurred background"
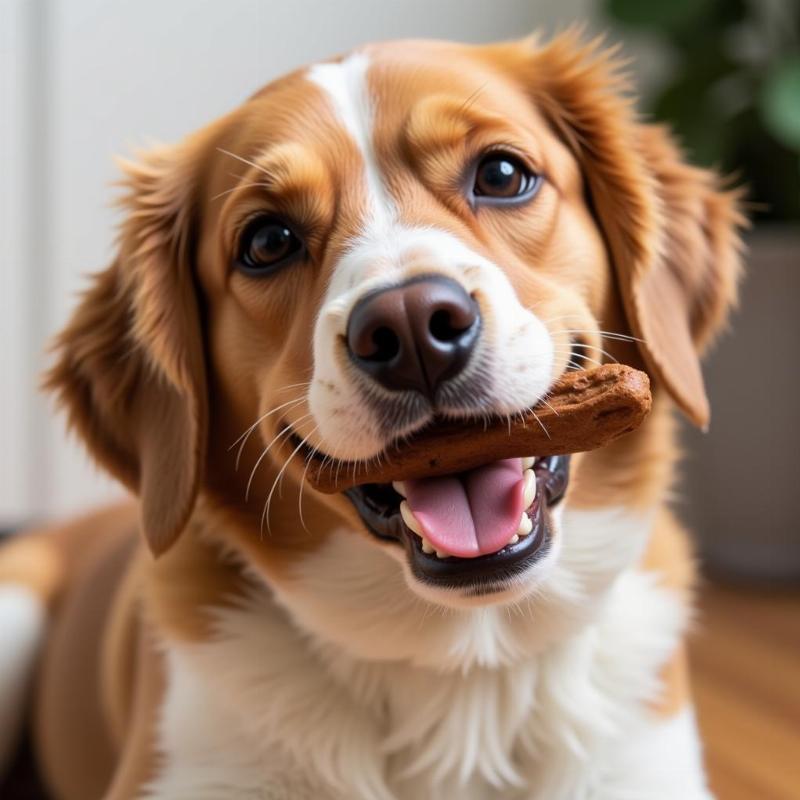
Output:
[[83, 80]]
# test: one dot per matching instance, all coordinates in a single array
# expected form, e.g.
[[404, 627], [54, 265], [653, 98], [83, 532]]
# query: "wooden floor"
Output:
[[745, 657]]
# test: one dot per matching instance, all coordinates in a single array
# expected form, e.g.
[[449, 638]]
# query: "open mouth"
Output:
[[477, 528], [468, 507]]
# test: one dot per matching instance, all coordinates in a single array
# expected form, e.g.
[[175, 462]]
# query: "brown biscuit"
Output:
[[584, 410]]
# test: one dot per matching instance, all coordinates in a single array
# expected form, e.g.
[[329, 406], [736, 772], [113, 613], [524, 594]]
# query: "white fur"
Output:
[[345, 85], [22, 625], [515, 353], [661, 762], [340, 592], [369, 692]]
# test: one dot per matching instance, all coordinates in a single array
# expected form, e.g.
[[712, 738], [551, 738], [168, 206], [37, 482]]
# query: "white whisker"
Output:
[[268, 504], [239, 187], [246, 435], [622, 337], [284, 432], [244, 161]]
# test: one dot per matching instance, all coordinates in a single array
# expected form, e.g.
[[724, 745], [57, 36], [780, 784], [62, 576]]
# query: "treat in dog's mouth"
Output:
[[460, 496], [582, 411], [477, 527]]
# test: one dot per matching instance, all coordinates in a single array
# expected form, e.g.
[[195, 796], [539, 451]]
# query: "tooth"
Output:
[[514, 539], [399, 487], [529, 492], [525, 525], [427, 547], [440, 554], [528, 462], [409, 518]]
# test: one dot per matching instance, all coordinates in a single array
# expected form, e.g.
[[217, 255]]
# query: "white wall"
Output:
[[85, 79], [16, 352]]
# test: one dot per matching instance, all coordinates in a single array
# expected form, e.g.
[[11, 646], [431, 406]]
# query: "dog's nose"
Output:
[[416, 335]]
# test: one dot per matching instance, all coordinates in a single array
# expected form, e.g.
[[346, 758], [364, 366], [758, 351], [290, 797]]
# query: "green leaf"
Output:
[[697, 120], [659, 14], [780, 102]]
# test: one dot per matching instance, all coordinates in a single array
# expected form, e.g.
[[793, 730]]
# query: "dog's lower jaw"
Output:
[[445, 699], [364, 600]]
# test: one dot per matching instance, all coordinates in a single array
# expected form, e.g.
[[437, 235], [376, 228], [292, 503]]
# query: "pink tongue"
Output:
[[471, 514]]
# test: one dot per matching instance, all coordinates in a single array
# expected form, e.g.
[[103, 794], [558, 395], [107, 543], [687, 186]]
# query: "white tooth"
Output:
[[514, 539], [527, 463], [399, 487], [440, 554], [525, 525], [529, 492], [409, 518], [427, 547]]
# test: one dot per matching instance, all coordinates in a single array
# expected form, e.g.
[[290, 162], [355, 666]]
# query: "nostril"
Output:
[[386, 345], [444, 328]]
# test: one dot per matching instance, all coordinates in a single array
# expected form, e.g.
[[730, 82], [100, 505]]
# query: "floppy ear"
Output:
[[129, 366], [671, 229]]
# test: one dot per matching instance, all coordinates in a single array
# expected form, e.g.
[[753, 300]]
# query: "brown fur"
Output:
[[171, 355]]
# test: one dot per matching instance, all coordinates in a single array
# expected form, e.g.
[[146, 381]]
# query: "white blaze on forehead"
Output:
[[345, 84]]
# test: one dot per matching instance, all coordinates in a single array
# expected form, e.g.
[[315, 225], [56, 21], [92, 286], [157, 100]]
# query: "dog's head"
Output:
[[416, 231]]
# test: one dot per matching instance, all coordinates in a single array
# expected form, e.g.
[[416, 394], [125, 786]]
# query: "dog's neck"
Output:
[[352, 596], [531, 688]]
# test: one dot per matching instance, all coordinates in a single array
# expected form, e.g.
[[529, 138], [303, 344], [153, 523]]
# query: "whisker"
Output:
[[238, 187], [244, 161], [309, 458], [284, 432], [294, 385], [268, 504], [544, 402], [558, 319], [588, 358], [246, 435], [563, 351], [541, 424], [599, 350], [621, 337], [263, 417]]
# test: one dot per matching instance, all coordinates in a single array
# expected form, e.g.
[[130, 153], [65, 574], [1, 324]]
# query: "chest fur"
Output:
[[265, 712]]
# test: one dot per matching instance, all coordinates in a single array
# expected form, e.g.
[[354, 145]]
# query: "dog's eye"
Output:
[[503, 177], [266, 244]]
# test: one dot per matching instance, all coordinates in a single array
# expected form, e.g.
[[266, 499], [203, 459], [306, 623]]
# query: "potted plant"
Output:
[[731, 91]]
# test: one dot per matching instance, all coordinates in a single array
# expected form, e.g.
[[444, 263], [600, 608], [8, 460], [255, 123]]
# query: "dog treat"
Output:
[[583, 411]]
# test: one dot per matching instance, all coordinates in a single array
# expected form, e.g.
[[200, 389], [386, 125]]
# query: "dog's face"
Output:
[[397, 247], [415, 232]]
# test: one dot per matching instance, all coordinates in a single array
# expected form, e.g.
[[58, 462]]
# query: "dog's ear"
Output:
[[672, 230], [129, 366]]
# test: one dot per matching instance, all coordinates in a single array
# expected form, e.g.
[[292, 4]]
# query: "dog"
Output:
[[412, 232]]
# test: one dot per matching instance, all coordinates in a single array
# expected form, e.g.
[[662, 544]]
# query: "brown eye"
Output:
[[266, 244], [503, 177]]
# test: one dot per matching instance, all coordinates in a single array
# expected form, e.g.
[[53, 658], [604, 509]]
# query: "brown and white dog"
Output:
[[415, 231]]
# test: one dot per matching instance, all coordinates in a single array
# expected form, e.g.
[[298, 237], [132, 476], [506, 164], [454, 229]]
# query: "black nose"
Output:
[[416, 335]]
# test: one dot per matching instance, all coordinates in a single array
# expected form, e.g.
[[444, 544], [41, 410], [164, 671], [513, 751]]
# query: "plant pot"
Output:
[[741, 487]]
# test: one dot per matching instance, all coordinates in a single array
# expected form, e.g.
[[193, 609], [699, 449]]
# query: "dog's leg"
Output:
[[149, 769], [22, 624], [139, 759], [30, 576], [205, 752]]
